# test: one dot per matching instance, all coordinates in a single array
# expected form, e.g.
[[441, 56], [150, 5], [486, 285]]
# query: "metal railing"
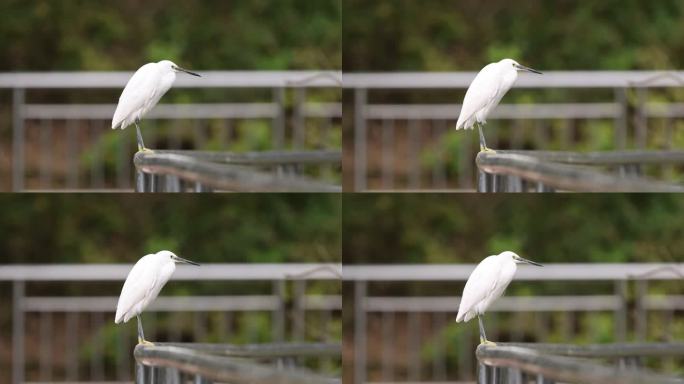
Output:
[[67, 141], [394, 331], [518, 363], [207, 363], [398, 145], [74, 323], [546, 171], [177, 171]]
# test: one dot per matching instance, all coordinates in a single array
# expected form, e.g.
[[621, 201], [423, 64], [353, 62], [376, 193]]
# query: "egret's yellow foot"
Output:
[[485, 149], [145, 150], [487, 342], [145, 342]]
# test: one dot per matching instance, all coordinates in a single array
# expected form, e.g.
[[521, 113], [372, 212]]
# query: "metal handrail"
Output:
[[228, 369], [227, 175], [263, 158], [266, 350], [209, 79], [544, 362], [550, 79], [560, 170]]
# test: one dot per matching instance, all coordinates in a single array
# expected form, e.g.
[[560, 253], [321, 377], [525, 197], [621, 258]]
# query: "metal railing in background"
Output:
[[46, 318], [517, 363], [253, 364], [402, 135], [178, 171], [55, 133], [546, 171], [392, 326]]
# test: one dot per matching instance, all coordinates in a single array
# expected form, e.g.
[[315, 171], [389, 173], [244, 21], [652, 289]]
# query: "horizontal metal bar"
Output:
[[209, 79], [206, 272], [233, 370], [502, 111], [663, 303], [225, 177], [329, 110], [264, 350], [323, 302], [504, 304], [614, 350], [262, 157], [561, 368], [550, 272], [566, 177], [603, 158], [161, 111], [550, 79], [161, 304]]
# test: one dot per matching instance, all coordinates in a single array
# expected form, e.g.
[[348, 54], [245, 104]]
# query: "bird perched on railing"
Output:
[[143, 284], [486, 283], [485, 92], [142, 92]]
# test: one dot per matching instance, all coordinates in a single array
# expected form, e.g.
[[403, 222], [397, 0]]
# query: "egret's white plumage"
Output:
[[486, 283], [143, 91], [143, 283], [485, 93]]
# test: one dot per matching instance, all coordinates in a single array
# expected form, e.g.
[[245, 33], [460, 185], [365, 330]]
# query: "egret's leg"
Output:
[[141, 144], [483, 143], [141, 333], [483, 335]]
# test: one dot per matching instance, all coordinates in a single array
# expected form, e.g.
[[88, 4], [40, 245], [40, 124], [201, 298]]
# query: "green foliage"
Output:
[[122, 228], [200, 34], [453, 228], [412, 35]]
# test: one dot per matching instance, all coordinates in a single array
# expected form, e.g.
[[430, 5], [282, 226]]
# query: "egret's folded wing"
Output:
[[139, 282], [139, 88], [480, 283], [481, 91]]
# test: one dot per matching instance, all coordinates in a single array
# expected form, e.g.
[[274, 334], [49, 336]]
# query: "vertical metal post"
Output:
[[18, 138], [641, 118], [621, 312], [641, 311], [298, 137], [18, 294], [360, 137], [414, 153], [360, 332], [481, 374], [279, 120], [45, 346], [387, 154], [414, 346], [72, 147], [279, 314], [621, 118], [140, 373], [46, 153], [300, 308], [140, 181]]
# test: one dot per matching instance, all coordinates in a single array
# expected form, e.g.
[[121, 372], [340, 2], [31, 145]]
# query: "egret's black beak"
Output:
[[530, 262], [182, 260], [188, 72], [524, 68]]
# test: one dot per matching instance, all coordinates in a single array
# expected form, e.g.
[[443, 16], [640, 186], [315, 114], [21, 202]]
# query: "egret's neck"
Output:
[[167, 81]]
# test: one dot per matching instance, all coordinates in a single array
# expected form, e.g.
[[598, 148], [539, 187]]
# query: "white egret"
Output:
[[485, 92], [142, 92], [486, 283], [144, 281]]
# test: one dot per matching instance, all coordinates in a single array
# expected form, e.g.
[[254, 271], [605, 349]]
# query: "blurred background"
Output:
[[55, 131], [57, 319], [407, 66], [407, 258]]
